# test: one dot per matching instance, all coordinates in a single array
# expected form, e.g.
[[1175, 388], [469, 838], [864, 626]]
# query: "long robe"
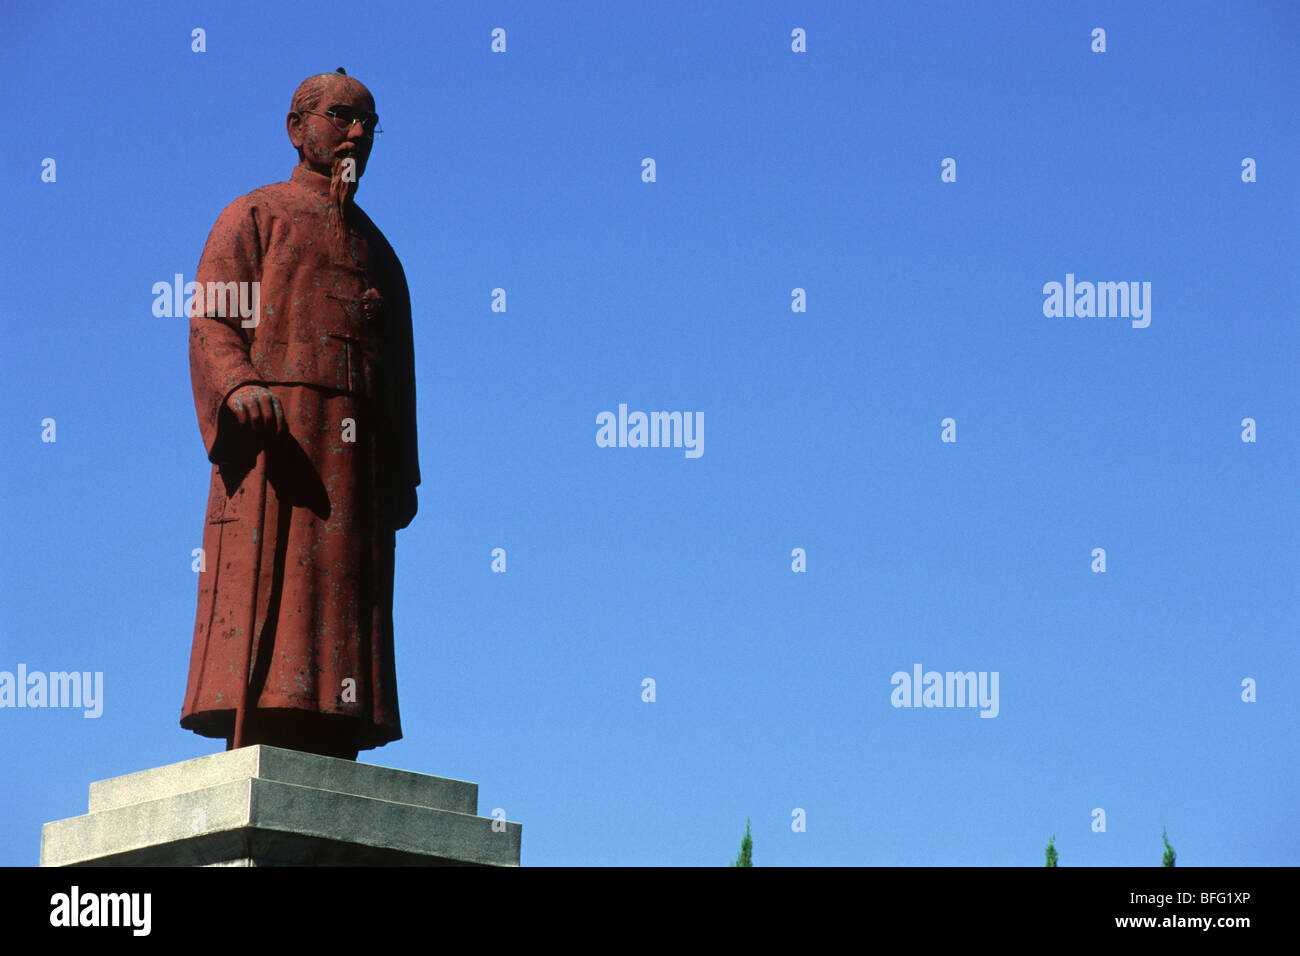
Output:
[[296, 592]]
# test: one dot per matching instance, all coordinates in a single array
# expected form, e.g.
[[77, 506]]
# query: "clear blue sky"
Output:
[[775, 170]]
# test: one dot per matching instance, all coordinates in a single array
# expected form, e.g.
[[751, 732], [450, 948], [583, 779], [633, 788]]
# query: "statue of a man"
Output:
[[307, 412]]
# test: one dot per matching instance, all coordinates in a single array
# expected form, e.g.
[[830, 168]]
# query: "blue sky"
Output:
[[775, 170]]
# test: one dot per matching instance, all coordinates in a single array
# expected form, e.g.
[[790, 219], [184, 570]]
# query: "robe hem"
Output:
[[220, 724]]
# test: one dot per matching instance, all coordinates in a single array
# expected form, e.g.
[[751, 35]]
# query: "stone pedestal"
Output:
[[264, 806]]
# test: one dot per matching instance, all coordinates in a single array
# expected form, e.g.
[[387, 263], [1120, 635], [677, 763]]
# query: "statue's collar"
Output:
[[310, 179]]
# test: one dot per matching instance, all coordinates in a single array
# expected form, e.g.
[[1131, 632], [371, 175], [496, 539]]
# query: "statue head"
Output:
[[332, 117]]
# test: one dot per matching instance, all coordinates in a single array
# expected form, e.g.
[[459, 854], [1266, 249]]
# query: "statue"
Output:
[[306, 406]]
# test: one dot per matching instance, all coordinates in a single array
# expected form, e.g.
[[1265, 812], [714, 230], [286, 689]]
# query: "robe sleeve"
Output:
[[401, 444], [405, 440], [219, 346]]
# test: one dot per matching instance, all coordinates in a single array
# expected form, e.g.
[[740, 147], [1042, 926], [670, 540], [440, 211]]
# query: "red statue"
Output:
[[303, 369]]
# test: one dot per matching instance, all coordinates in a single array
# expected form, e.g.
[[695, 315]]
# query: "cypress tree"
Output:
[[746, 857]]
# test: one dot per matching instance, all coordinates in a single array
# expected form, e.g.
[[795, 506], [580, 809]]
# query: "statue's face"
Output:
[[321, 141]]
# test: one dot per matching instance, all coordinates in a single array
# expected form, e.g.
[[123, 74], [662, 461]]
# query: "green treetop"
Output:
[[746, 857], [1170, 856]]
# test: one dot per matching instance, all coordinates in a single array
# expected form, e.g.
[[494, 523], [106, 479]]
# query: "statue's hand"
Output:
[[257, 409]]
